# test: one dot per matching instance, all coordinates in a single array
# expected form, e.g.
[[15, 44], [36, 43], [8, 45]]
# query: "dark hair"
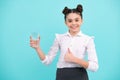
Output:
[[78, 10]]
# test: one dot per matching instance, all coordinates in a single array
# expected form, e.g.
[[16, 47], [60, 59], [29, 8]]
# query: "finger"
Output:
[[30, 37], [32, 42], [69, 50], [39, 37]]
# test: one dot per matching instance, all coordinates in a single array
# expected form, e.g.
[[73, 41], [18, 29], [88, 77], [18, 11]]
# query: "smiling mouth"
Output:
[[73, 27]]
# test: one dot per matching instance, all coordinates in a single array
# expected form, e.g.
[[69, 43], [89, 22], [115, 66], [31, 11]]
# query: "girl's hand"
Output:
[[34, 43], [69, 57]]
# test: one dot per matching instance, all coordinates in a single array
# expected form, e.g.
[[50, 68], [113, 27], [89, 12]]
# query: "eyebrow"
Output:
[[74, 19]]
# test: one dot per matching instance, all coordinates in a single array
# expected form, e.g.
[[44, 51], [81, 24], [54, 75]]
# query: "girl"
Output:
[[73, 46]]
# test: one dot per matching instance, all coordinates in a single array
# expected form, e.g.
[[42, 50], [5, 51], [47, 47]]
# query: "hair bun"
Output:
[[65, 10], [79, 8]]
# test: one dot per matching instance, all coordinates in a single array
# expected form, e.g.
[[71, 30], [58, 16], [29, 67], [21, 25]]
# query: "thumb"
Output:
[[69, 50]]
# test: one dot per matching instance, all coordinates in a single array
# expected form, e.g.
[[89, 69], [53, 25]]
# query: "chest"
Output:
[[77, 44]]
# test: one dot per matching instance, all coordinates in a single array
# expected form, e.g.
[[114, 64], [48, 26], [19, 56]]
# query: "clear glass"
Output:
[[35, 35]]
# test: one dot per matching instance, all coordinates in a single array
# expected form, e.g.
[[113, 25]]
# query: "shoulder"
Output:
[[60, 37], [87, 38]]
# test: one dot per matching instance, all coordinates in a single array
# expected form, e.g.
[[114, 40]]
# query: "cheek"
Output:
[[68, 24], [80, 22]]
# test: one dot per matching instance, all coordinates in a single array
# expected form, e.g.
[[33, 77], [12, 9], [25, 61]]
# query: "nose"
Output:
[[73, 22]]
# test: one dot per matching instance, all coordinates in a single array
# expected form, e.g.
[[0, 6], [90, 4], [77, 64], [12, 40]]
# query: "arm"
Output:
[[92, 56], [71, 58], [46, 59], [91, 64], [40, 53], [35, 44]]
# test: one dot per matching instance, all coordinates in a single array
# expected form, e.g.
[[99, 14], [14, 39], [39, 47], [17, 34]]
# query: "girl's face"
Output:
[[73, 21]]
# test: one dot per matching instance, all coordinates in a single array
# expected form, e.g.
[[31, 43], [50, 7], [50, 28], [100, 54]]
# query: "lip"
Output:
[[74, 27]]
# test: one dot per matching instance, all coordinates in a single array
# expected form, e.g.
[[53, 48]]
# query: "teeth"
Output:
[[74, 27]]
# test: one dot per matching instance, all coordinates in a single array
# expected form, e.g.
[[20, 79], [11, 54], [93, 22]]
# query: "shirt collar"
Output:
[[78, 34]]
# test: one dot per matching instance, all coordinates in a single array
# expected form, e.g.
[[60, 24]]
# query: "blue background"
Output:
[[18, 18]]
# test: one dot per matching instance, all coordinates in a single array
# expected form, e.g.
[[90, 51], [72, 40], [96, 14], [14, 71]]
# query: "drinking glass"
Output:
[[35, 37]]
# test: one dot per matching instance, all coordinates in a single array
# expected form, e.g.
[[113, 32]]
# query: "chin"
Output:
[[75, 30]]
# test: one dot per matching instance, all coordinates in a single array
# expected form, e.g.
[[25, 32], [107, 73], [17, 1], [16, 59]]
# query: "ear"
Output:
[[81, 21], [65, 22]]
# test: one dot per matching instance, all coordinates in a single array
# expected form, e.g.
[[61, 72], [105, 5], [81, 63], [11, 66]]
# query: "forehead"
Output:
[[73, 16]]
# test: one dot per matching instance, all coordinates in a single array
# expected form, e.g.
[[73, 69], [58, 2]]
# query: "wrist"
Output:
[[37, 48], [75, 60]]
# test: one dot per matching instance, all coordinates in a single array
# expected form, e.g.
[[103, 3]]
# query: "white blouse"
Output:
[[79, 45]]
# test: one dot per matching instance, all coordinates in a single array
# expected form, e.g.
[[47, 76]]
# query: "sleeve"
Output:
[[52, 52], [92, 56]]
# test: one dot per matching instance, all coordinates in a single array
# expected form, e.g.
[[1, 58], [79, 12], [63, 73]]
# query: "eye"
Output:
[[69, 21], [77, 20]]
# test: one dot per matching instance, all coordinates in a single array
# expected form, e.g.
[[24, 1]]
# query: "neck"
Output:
[[74, 33]]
